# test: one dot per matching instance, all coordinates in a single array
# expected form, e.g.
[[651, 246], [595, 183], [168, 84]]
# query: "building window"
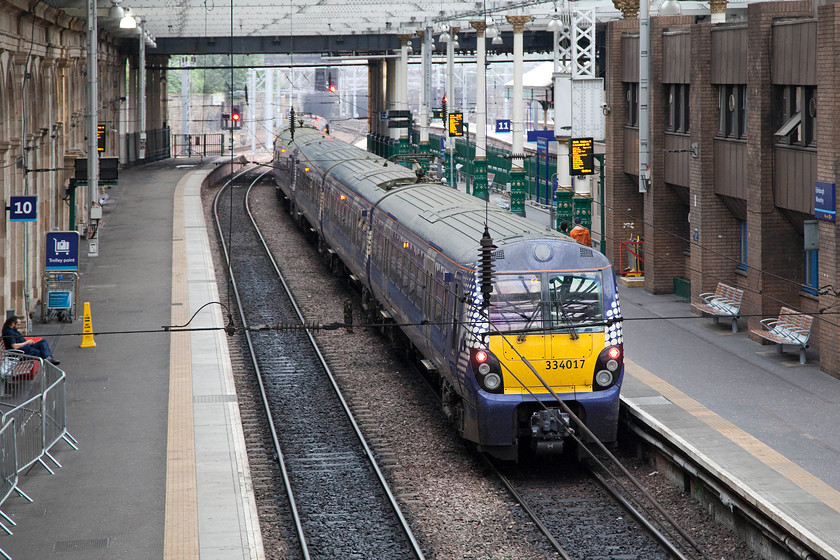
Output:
[[812, 261], [742, 245], [732, 110], [631, 103], [797, 116], [678, 108]]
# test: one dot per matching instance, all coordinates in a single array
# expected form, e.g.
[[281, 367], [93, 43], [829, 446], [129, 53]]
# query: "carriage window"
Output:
[[575, 299], [515, 303]]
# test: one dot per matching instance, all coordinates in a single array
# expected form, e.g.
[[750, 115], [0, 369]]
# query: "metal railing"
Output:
[[198, 145], [33, 420]]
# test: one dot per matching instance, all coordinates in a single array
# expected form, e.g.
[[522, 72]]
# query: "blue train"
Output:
[[552, 328]]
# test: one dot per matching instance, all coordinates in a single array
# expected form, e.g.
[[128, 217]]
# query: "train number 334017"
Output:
[[563, 364]]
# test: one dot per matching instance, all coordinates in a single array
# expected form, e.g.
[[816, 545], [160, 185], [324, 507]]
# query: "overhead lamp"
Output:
[[497, 40], [128, 21], [444, 37], [555, 24], [455, 43], [491, 32], [116, 13], [670, 8]]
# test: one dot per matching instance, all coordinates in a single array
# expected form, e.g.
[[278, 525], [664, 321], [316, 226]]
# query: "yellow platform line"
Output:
[[181, 521], [763, 452]]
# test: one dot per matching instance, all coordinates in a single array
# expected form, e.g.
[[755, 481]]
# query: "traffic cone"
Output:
[[87, 329]]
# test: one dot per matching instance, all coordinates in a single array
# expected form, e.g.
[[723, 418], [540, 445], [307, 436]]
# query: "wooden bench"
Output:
[[725, 301], [792, 327]]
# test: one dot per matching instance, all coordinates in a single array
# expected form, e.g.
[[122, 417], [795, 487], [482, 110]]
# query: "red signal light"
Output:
[[235, 116], [332, 88]]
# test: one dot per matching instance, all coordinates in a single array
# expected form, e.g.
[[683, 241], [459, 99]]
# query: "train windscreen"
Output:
[[553, 302]]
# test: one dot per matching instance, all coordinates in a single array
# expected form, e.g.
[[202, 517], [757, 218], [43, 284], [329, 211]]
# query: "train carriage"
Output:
[[553, 323]]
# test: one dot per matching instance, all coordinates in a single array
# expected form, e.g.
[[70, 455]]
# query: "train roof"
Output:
[[451, 220]]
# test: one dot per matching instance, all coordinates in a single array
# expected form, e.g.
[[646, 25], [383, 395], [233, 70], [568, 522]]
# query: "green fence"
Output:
[[538, 187]]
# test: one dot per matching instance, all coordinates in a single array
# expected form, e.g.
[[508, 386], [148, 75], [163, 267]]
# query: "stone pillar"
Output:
[[718, 10], [517, 170], [480, 170], [402, 91], [425, 76]]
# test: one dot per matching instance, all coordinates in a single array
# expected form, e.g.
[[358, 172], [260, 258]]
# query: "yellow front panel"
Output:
[[564, 364]]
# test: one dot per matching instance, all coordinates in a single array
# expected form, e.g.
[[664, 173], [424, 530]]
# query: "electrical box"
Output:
[[95, 212]]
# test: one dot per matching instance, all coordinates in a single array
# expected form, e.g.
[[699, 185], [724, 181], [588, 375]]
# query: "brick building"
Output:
[[736, 156]]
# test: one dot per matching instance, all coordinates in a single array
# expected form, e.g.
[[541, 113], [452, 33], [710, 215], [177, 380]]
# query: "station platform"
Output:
[[161, 470], [754, 417]]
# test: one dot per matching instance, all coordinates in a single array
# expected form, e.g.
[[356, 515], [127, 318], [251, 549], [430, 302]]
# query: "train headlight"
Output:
[[492, 381], [487, 371], [604, 378], [608, 368]]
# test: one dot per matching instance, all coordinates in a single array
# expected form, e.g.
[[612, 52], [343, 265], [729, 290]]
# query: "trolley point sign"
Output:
[[62, 250]]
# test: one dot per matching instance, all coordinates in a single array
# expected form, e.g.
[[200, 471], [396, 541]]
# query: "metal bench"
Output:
[[725, 301], [792, 327]]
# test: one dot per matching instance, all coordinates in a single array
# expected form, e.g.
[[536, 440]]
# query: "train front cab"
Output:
[[564, 325]]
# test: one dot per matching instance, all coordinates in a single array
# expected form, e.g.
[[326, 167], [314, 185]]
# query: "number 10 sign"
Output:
[[23, 208]]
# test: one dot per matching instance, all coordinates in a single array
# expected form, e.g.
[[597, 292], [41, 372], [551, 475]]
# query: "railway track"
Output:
[[336, 494], [451, 497]]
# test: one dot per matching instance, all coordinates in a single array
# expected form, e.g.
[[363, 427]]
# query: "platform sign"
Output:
[[62, 250], [456, 124], [824, 201], [502, 125], [383, 116], [60, 300], [23, 208], [581, 156]]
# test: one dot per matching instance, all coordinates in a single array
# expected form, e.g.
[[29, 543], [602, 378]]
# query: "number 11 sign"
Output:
[[23, 208]]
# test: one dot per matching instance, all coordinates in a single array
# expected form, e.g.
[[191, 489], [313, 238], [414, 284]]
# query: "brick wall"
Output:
[[774, 251], [828, 140], [623, 203], [714, 254]]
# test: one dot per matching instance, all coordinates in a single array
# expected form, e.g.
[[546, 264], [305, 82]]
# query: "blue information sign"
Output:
[[502, 125], [23, 208], [824, 201], [62, 250], [59, 300], [547, 134]]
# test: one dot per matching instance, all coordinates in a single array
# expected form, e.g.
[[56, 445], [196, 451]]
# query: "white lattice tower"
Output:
[[583, 43]]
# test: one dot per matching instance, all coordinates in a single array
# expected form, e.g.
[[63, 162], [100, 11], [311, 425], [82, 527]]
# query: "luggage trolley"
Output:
[[61, 296]]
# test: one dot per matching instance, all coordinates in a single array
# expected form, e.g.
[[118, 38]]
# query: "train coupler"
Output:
[[548, 430]]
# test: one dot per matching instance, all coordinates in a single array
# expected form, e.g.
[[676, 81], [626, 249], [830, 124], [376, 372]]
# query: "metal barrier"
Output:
[[633, 264], [36, 402], [204, 145]]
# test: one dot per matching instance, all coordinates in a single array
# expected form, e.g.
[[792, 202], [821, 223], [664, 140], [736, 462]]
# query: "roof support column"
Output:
[[517, 167], [402, 91], [480, 169]]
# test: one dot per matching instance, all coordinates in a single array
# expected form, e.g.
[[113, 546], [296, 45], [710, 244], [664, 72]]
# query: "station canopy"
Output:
[[275, 22]]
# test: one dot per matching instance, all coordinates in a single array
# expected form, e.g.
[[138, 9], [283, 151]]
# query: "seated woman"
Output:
[[13, 340]]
